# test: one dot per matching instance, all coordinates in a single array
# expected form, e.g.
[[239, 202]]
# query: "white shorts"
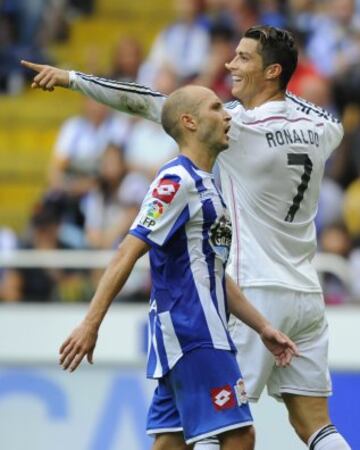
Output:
[[301, 316]]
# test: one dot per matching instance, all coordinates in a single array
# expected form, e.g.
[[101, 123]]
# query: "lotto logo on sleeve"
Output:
[[223, 398], [166, 190]]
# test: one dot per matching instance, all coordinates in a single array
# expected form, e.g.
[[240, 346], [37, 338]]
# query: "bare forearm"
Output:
[[126, 97], [241, 308], [114, 279]]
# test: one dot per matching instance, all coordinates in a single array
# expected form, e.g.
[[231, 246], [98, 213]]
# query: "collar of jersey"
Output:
[[187, 161]]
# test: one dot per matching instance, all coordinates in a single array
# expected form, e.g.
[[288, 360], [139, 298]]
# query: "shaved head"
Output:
[[185, 100]]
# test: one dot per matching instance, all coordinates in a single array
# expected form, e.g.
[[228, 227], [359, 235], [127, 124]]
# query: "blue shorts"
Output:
[[203, 395]]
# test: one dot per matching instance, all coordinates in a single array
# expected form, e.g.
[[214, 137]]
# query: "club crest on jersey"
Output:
[[154, 210], [220, 236], [240, 392], [166, 190], [223, 398]]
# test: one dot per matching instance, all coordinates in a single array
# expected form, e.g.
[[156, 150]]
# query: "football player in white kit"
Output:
[[270, 177]]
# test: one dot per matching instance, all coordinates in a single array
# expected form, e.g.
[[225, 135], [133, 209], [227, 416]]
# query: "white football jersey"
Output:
[[270, 176]]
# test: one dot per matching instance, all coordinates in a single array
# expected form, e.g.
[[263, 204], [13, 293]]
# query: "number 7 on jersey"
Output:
[[299, 159]]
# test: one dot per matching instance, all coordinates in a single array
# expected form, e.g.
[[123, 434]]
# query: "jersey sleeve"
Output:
[[130, 98], [333, 134], [163, 212]]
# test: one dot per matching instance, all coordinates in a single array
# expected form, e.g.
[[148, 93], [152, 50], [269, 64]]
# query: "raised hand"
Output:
[[282, 347], [81, 342], [47, 76]]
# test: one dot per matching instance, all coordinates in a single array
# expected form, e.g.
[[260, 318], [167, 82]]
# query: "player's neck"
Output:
[[262, 98], [202, 159]]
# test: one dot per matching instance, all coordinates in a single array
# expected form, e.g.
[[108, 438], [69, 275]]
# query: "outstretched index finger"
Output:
[[31, 65]]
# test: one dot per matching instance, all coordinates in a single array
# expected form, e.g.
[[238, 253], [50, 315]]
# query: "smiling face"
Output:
[[247, 70]]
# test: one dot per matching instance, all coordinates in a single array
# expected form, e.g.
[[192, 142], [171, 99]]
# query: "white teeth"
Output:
[[236, 78]]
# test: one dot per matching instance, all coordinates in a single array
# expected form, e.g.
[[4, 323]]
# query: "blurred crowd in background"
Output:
[[103, 160]]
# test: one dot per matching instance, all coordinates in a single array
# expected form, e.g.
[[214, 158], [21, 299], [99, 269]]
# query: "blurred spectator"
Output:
[[245, 13], [8, 242], [345, 162], [35, 284], [215, 75], [112, 206], [302, 16], [44, 284], [334, 44], [272, 12], [126, 60], [24, 34], [336, 240], [305, 68], [148, 146], [183, 45], [352, 209], [217, 14], [330, 204], [74, 166], [8, 239]]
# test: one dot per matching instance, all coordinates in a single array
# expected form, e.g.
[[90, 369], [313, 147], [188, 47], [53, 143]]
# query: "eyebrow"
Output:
[[240, 52]]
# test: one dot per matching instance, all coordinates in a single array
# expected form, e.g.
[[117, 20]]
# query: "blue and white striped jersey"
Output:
[[184, 219]]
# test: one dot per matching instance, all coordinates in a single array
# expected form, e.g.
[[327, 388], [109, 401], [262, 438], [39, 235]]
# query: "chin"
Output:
[[236, 92]]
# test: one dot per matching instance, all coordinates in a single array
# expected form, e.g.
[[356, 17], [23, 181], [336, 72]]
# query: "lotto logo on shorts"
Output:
[[166, 190], [223, 398]]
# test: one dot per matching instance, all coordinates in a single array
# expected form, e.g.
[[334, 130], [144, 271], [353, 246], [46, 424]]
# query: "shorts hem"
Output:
[[218, 431], [163, 430], [301, 391]]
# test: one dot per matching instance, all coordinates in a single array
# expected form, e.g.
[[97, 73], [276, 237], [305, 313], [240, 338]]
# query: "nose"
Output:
[[229, 65], [227, 117]]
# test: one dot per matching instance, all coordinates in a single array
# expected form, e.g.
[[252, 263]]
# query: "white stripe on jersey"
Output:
[[158, 369], [171, 342]]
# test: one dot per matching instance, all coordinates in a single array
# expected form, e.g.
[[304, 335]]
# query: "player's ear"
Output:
[[273, 71], [188, 121]]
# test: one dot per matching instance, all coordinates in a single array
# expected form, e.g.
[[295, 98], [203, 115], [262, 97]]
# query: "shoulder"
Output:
[[305, 107], [233, 105]]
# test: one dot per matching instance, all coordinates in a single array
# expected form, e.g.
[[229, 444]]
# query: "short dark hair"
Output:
[[277, 47]]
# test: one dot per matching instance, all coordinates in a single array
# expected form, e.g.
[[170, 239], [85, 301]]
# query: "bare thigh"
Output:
[[170, 441], [238, 439]]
